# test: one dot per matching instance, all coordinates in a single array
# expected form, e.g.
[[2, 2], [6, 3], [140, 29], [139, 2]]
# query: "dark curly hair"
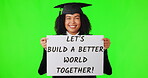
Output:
[[60, 25]]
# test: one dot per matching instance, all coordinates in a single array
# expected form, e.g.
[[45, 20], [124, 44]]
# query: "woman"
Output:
[[73, 21]]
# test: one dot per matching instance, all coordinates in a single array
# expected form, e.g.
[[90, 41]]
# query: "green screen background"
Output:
[[24, 22]]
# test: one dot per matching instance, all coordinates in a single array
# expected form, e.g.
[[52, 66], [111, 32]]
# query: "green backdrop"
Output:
[[24, 22]]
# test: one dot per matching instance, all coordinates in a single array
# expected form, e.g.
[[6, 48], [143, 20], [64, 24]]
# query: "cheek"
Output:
[[66, 23], [78, 22]]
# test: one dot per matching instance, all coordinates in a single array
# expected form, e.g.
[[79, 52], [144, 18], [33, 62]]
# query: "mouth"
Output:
[[73, 26]]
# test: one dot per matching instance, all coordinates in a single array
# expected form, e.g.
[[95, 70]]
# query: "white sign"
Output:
[[75, 55]]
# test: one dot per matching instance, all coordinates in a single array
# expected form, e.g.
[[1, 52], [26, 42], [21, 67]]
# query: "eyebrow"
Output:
[[75, 16]]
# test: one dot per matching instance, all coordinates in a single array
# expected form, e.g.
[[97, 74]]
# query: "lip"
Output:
[[72, 26]]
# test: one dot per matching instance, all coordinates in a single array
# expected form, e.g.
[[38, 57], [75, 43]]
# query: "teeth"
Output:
[[72, 26]]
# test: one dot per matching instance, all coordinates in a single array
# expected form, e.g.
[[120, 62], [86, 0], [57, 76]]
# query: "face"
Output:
[[72, 23]]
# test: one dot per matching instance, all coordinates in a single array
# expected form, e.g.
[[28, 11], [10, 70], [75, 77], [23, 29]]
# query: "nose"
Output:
[[72, 21]]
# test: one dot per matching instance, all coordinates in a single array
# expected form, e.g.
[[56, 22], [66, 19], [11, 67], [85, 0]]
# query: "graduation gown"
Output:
[[107, 67]]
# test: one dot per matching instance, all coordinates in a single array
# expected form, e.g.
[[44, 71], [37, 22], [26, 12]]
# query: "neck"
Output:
[[72, 33]]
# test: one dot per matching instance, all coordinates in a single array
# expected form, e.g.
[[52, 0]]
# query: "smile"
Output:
[[73, 26]]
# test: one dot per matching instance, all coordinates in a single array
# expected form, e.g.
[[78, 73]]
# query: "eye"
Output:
[[68, 18], [77, 18]]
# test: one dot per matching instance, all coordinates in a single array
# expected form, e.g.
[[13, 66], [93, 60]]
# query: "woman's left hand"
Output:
[[106, 43]]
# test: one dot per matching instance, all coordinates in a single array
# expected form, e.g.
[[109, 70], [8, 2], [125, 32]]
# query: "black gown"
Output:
[[107, 67]]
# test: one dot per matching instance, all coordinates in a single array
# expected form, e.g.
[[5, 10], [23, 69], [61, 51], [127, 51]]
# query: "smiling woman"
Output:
[[73, 21]]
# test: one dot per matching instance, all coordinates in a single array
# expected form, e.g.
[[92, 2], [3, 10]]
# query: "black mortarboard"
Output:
[[71, 8]]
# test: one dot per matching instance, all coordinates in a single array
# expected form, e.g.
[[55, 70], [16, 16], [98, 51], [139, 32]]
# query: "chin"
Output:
[[73, 31]]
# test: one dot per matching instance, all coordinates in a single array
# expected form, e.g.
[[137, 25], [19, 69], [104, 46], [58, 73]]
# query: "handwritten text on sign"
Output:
[[75, 55]]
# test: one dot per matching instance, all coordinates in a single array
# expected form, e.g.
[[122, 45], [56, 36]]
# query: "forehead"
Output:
[[75, 14]]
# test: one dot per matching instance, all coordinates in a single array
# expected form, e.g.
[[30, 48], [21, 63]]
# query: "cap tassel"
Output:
[[60, 11]]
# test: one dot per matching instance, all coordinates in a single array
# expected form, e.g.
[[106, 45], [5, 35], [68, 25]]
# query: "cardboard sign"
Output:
[[75, 55]]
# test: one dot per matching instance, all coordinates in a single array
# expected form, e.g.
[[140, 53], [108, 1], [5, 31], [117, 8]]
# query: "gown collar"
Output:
[[67, 33]]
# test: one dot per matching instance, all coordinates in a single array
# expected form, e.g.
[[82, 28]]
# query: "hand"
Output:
[[43, 42], [106, 43]]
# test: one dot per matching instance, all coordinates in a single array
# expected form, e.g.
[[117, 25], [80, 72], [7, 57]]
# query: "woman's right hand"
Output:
[[43, 42]]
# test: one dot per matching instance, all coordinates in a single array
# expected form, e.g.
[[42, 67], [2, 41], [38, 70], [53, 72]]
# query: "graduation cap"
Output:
[[71, 8]]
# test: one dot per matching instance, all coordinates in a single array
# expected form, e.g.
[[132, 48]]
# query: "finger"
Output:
[[42, 39], [46, 38], [43, 43], [106, 46], [106, 42], [105, 39], [45, 46]]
